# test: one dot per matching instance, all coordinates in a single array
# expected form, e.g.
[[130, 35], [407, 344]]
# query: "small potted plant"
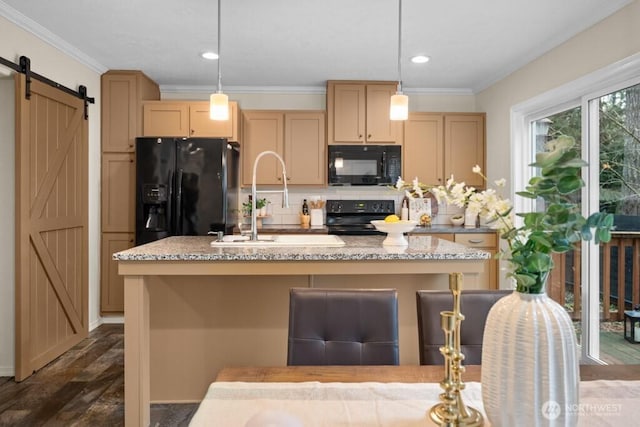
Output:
[[261, 207]]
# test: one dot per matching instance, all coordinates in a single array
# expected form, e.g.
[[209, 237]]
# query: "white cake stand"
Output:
[[395, 231]]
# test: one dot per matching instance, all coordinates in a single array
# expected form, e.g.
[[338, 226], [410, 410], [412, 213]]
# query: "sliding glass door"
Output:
[[596, 284]]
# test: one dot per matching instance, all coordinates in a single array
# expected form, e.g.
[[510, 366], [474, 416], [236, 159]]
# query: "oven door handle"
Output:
[[383, 165]]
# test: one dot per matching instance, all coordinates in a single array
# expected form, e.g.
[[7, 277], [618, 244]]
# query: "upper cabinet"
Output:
[[188, 119], [298, 136], [438, 145], [423, 148], [358, 113], [122, 95], [464, 147]]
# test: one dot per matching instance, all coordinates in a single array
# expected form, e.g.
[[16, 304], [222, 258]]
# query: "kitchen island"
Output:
[[191, 309]]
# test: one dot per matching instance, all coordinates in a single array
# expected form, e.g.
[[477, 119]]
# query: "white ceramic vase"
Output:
[[530, 373]]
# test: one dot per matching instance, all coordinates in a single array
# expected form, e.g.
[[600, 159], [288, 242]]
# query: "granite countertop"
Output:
[[448, 228], [434, 229], [357, 248]]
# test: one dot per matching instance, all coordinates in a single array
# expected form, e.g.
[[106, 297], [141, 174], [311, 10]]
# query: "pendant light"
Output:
[[399, 107], [219, 102]]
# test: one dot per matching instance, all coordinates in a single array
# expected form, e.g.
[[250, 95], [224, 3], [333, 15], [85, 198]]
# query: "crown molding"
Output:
[[47, 36], [244, 89], [437, 91], [319, 90]]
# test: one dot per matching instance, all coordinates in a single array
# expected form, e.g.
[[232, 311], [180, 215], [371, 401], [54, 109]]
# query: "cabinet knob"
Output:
[[192, 131], [369, 136], [360, 136]]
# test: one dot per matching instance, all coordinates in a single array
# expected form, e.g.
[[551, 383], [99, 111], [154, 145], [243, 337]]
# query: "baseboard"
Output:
[[117, 319], [112, 319], [7, 371]]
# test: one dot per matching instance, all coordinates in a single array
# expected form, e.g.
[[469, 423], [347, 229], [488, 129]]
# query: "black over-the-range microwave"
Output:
[[364, 164]]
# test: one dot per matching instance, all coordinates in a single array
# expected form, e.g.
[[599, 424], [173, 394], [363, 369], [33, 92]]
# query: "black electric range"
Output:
[[353, 217]]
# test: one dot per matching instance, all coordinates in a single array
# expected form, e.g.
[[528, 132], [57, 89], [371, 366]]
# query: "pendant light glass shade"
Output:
[[399, 105], [219, 106], [399, 109], [219, 102]]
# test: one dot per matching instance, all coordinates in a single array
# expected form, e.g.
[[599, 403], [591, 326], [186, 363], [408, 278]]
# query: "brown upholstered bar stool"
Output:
[[474, 305], [343, 327]]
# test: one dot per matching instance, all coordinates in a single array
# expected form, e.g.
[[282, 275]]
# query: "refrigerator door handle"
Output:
[[170, 213], [179, 204]]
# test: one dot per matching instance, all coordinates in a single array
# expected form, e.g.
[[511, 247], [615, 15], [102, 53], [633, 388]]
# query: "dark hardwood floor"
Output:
[[83, 387]]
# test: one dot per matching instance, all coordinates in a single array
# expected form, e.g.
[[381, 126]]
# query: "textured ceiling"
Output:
[[299, 44]]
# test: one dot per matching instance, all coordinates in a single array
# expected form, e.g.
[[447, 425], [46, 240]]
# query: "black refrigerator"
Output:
[[185, 187]]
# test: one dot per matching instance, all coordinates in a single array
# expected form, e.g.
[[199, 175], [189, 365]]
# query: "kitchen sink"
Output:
[[325, 240]]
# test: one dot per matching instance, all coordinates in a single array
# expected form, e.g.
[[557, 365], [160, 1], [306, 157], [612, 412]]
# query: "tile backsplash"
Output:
[[291, 215]]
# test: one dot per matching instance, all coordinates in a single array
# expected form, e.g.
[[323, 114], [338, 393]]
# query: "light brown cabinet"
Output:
[[485, 240], [358, 113], [298, 136], [464, 147], [112, 296], [118, 192], [488, 279], [438, 145], [123, 93], [188, 119]]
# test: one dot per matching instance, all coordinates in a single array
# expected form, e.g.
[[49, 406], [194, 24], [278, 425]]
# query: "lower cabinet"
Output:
[[112, 289], [487, 241]]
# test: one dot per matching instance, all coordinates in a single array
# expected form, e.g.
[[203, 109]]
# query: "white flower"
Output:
[[500, 182], [399, 183], [476, 169]]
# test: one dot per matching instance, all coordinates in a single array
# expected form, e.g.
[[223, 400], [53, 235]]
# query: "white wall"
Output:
[[7, 216], [58, 66]]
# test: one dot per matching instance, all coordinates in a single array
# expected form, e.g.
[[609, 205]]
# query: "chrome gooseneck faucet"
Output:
[[254, 192]]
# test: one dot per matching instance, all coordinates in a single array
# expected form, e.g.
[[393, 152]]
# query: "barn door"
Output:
[[51, 225]]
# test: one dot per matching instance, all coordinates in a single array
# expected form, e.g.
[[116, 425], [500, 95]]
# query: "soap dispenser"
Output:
[[404, 212]]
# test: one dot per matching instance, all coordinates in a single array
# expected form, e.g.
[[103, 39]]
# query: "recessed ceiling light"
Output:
[[210, 55], [420, 59]]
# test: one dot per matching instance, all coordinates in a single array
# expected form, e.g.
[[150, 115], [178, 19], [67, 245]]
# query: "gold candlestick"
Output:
[[451, 411]]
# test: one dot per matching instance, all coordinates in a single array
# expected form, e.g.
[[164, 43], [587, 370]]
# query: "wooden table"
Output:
[[324, 396], [408, 374]]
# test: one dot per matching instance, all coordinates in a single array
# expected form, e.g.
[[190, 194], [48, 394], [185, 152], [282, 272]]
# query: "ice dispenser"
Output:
[[155, 207]]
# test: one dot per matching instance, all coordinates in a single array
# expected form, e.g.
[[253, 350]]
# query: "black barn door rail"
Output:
[[24, 67]]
